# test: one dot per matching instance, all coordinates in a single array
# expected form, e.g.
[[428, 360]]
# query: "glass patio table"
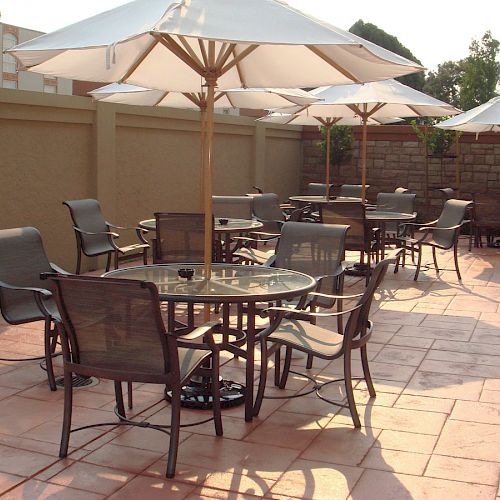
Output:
[[229, 284], [222, 227]]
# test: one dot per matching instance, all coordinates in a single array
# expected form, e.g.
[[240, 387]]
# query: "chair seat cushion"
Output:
[[134, 246], [254, 255], [309, 338]]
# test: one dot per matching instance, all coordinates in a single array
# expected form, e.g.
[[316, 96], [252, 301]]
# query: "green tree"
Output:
[[444, 83], [341, 139], [481, 72], [374, 34], [438, 140]]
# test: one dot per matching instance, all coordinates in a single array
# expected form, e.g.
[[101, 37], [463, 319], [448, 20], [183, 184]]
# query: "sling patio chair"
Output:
[[395, 202], [440, 234], [485, 218], [24, 298], [95, 237], [233, 207], [297, 330], [351, 190], [113, 329]]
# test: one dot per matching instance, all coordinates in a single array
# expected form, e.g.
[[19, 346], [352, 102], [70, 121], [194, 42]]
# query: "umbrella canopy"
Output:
[[236, 98], [483, 118], [375, 100], [175, 45]]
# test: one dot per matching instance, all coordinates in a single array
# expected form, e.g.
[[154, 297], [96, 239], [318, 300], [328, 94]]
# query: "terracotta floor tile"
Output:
[[152, 488], [406, 441], [466, 347], [22, 462], [395, 461], [91, 478], [486, 336], [424, 403], [5, 392], [458, 368], [490, 397], [41, 490], [418, 342], [463, 357], [307, 479], [398, 318], [472, 411], [184, 473], [469, 440], [435, 332], [341, 444], [245, 485], [8, 481], [398, 355], [461, 469], [238, 457], [288, 430], [122, 457], [204, 493], [378, 485], [492, 384], [443, 385]]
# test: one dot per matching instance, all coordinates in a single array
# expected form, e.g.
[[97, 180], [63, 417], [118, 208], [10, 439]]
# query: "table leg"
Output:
[[227, 242], [250, 362]]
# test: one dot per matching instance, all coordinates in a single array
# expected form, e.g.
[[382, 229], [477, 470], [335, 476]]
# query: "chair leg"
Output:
[[120, 407], [108, 262], [216, 395], [349, 390], [68, 406], [263, 375], [434, 258], [116, 259], [145, 256], [277, 366], [174, 431], [48, 336], [286, 368], [130, 401], [309, 362], [419, 262], [339, 290], [366, 372], [455, 257]]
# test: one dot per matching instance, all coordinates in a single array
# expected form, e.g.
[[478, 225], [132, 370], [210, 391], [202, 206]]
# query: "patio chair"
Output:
[[294, 330], [266, 209], [113, 329], [485, 219], [447, 193], [233, 207], [362, 236], [23, 297], [94, 236], [351, 190], [395, 202], [318, 189], [180, 237], [401, 190], [441, 233]]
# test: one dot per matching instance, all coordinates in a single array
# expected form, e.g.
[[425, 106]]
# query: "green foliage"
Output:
[[438, 141], [444, 84], [376, 35], [341, 140], [481, 72]]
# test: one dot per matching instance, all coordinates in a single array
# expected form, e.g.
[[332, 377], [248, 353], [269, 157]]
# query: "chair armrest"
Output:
[[328, 296], [205, 331], [58, 270], [139, 230], [289, 313], [42, 291], [267, 235], [434, 228], [270, 262], [109, 233]]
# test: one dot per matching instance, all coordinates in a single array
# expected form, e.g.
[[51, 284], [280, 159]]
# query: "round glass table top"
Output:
[[229, 226], [310, 198], [229, 282], [388, 216]]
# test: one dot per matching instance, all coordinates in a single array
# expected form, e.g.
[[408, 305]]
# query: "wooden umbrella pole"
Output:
[[203, 124], [457, 161], [327, 180], [363, 158]]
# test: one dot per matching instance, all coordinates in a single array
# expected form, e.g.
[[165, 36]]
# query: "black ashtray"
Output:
[[186, 273], [223, 222]]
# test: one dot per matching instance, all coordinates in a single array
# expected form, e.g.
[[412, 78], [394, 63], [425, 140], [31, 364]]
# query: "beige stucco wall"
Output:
[[134, 160]]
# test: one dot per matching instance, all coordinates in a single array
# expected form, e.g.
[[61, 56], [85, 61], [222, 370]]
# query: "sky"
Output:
[[433, 30]]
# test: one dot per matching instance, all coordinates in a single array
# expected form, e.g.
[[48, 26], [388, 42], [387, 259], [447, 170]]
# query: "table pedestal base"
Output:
[[198, 394], [358, 269]]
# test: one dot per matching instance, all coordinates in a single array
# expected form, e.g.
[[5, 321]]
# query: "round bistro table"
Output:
[[229, 284]]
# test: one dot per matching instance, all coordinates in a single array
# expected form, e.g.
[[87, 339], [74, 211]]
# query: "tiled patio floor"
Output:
[[433, 431]]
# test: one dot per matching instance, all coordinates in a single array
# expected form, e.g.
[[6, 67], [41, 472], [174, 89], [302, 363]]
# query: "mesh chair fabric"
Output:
[[395, 202], [352, 190], [318, 189], [266, 208], [235, 207], [453, 213]]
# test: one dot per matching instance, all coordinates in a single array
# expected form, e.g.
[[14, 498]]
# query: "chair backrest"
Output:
[[448, 193], [401, 190], [233, 207], [396, 202], [113, 327], [180, 237], [453, 214], [318, 189], [314, 249], [266, 208], [352, 190], [361, 320], [22, 260], [350, 213], [87, 216]]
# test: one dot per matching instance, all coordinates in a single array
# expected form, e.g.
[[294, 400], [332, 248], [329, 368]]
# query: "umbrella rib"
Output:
[[331, 62], [220, 95], [193, 98], [238, 58], [224, 54], [203, 52], [174, 47], [415, 111], [164, 94], [190, 50], [140, 60]]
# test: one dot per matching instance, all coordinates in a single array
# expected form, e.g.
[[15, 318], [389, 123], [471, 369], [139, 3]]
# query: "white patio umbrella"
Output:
[[181, 45], [328, 123], [376, 100], [483, 118]]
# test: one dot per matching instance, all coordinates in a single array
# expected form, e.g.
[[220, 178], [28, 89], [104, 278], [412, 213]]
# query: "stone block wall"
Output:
[[395, 158]]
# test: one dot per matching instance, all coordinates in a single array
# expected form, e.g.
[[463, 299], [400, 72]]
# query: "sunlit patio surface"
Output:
[[433, 431]]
